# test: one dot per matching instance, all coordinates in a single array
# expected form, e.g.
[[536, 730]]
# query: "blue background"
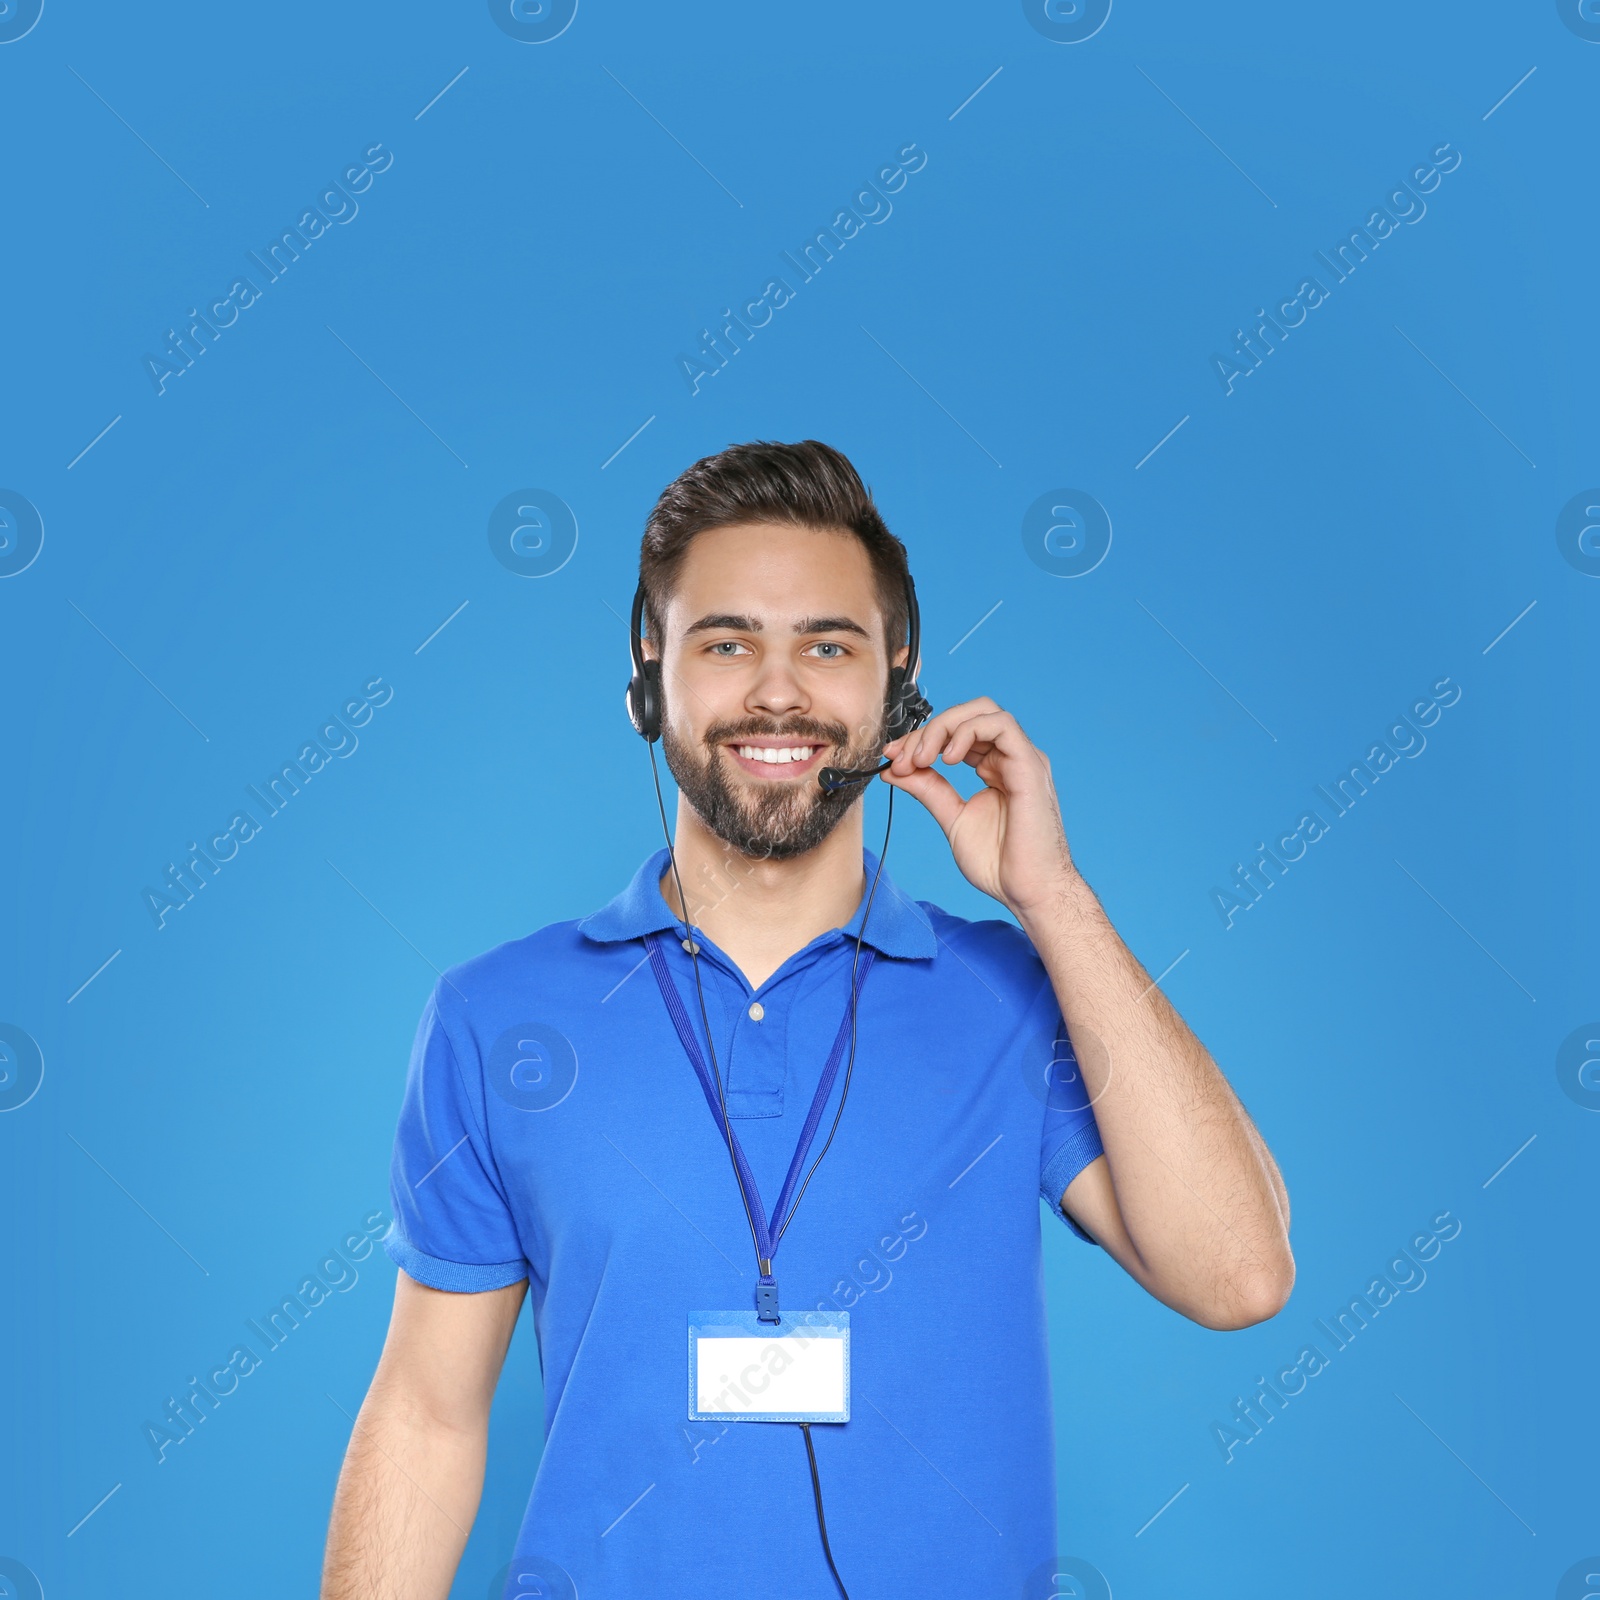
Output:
[[300, 511]]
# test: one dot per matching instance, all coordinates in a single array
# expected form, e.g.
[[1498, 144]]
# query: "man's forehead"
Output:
[[767, 579]]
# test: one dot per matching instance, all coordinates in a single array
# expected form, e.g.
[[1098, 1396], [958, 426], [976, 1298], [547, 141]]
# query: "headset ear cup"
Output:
[[898, 723], [643, 698], [644, 701], [909, 708], [912, 709], [650, 701]]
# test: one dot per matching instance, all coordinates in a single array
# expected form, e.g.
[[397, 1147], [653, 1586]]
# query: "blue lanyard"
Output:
[[766, 1244]]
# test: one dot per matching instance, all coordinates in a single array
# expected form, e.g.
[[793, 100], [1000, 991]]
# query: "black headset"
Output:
[[907, 706]]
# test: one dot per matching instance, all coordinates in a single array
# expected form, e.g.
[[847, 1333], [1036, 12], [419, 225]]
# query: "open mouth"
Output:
[[775, 758]]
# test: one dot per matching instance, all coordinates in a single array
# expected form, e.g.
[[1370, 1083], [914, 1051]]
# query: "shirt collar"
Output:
[[898, 926]]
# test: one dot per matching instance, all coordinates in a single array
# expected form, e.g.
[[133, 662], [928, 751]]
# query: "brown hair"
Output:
[[809, 485]]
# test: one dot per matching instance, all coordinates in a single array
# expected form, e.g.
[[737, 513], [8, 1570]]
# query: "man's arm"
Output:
[[1186, 1196], [1090, 1196], [414, 1469]]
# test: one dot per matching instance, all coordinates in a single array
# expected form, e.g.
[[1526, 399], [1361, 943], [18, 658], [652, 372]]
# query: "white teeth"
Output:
[[774, 756]]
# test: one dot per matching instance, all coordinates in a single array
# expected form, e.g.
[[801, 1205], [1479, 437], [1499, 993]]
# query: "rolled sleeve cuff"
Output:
[[1078, 1150], [459, 1277]]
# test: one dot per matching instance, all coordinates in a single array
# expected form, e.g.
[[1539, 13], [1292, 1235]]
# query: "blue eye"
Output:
[[732, 643], [828, 644]]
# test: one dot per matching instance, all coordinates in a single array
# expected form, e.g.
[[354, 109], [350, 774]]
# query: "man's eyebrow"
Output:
[[830, 625], [741, 624], [723, 619]]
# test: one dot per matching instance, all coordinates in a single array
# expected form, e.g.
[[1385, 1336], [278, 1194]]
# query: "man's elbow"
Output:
[[1244, 1304]]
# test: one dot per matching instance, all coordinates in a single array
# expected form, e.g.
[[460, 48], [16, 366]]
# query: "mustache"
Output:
[[769, 728]]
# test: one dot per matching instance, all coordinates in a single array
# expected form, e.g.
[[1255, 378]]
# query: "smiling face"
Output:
[[775, 667]]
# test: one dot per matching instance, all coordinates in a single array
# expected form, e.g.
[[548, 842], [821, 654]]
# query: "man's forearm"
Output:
[[1199, 1195], [407, 1495]]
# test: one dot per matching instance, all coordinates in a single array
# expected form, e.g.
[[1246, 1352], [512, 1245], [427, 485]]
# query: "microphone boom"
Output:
[[833, 778]]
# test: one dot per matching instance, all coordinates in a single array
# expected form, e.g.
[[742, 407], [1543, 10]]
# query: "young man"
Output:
[[557, 1131]]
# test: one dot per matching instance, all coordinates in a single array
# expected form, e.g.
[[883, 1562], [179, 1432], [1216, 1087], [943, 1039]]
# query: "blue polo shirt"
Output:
[[554, 1129]]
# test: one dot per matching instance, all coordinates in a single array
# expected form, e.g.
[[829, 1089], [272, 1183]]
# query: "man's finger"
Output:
[[934, 790], [931, 740], [990, 729], [943, 721]]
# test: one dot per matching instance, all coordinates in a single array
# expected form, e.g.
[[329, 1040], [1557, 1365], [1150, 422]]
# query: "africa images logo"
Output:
[[335, 203], [335, 739], [869, 203], [1402, 204]]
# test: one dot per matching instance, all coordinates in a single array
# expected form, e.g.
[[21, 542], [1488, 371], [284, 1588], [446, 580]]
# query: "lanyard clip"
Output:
[[767, 1296]]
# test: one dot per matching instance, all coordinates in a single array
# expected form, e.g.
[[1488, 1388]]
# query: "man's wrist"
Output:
[[1062, 899]]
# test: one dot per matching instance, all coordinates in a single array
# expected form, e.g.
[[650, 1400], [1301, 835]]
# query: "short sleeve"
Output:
[[453, 1226], [1070, 1139]]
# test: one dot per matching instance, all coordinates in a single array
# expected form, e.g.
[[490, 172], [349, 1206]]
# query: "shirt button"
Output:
[[757, 1011], [690, 946]]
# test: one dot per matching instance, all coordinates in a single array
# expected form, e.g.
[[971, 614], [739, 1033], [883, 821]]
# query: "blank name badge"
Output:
[[745, 1370]]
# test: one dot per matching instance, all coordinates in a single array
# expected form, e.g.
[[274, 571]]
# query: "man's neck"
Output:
[[761, 912]]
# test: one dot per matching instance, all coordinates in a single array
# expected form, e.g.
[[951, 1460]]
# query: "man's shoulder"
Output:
[[992, 949], [542, 961]]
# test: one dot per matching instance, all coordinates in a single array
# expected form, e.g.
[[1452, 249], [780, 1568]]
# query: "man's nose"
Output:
[[777, 690]]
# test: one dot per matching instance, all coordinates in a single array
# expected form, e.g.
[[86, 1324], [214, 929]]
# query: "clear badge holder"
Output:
[[742, 1369]]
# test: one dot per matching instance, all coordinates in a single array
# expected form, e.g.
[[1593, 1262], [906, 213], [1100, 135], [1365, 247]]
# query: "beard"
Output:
[[761, 820]]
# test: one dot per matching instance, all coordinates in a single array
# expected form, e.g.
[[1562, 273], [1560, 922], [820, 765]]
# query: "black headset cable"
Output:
[[822, 1522], [693, 946], [851, 1062]]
